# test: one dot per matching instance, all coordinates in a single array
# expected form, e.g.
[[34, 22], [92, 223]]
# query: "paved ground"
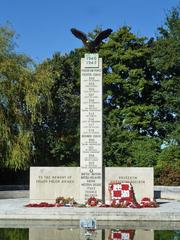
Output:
[[13, 209]]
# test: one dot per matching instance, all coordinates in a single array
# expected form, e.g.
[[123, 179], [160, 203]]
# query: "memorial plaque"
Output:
[[141, 178], [48, 183], [91, 127]]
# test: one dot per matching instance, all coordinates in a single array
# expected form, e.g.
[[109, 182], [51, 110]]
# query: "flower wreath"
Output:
[[92, 202], [121, 191]]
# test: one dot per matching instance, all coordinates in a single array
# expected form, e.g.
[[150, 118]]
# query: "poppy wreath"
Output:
[[42, 204], [122, 195], [92, 202], [121, 192], [64, 201], [148, 203]]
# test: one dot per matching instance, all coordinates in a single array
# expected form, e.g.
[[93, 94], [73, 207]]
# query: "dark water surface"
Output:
[[82, 234]]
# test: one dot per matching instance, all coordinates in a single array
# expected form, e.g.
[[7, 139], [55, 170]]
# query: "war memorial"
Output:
[[116, 210], [91, 179]]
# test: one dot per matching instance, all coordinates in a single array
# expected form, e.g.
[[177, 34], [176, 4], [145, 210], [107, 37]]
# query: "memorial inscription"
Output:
[[141, 179], [91, 127], [54, 179], [48, 183]]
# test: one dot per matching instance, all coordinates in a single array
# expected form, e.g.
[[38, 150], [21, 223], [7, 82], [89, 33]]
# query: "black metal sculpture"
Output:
[[91, 45]]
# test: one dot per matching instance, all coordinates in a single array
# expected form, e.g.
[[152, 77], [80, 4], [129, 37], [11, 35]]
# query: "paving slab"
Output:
[[14, 209]]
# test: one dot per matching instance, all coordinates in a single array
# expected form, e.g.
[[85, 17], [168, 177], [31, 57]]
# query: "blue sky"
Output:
[[44, 26]]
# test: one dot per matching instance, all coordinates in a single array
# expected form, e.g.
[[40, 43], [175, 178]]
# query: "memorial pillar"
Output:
[[91, 128]]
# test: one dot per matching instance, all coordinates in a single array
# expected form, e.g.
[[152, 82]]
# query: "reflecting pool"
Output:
[[84, 234]]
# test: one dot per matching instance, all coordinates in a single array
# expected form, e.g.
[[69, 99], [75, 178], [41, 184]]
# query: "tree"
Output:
[[57, 136], [129, 111], [21, 90], [166, 59]]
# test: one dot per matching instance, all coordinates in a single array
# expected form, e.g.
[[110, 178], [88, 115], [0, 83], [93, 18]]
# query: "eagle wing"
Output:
[[77, 33], [102, 35]]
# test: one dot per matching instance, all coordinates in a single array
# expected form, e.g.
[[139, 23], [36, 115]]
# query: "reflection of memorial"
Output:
[[91, 234], [121, 234], [128, 234], [79, 234]]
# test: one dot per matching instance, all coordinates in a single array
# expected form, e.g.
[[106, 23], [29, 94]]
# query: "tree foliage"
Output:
[[166, 59], [57, 136], [130, 122], [21, 90]]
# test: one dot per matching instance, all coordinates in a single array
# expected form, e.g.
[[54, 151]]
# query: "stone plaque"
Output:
[[91, 127], [141, 178], [48, 183]]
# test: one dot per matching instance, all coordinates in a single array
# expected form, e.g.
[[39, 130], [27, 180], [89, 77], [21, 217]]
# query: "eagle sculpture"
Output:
[[91, 45]]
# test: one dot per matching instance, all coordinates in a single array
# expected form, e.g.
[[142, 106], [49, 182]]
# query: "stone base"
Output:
[[167, 214], [48, 183]]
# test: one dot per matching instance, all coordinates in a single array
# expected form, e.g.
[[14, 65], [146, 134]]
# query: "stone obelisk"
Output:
[[91, 127]]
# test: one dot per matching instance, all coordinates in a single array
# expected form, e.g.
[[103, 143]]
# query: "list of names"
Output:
[[91, 127]]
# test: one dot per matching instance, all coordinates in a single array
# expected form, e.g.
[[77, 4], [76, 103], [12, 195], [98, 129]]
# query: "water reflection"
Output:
[[82, 234], [121, 234], [14, 234]]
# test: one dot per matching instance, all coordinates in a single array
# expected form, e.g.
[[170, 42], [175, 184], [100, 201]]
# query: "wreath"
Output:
[[92, 202]]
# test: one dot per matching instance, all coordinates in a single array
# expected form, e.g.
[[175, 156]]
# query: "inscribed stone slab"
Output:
[[91, 127], [48, 183], [142, 180]]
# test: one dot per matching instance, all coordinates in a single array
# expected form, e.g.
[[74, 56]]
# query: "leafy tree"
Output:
[[21, 90], [141, 100], [129, 111], [57, 136], [166, 59]]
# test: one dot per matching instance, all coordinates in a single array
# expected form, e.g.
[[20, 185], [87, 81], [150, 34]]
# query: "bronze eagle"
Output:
[[91, 45]]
